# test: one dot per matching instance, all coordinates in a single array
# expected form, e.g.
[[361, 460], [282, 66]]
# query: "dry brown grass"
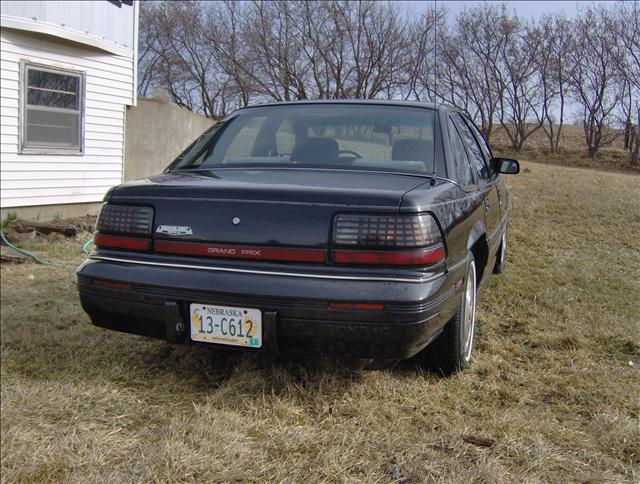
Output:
[[555, 381]]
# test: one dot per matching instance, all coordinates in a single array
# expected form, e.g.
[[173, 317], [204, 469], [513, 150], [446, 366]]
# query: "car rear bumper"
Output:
[[153, 300]]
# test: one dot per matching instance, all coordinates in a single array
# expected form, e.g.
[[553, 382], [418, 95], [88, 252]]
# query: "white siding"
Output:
[[99, 18], [34, 179]]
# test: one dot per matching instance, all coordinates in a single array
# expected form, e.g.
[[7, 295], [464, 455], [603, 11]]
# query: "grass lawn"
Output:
[[555, 381]]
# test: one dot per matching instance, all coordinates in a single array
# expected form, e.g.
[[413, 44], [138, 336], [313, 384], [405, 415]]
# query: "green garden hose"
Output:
[[85, 247], [35, 258]]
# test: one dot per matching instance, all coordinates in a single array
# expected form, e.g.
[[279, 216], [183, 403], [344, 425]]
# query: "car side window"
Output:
[[484, 146], [475, 153], [460, 160], [482, 141]]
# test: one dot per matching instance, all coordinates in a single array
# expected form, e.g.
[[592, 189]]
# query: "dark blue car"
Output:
[[361, 229]]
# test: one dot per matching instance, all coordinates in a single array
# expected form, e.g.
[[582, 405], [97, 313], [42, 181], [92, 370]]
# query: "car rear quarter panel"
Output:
[[458, 212]]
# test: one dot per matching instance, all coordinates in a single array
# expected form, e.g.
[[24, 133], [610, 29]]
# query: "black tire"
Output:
[[452, 350], [501, 259]]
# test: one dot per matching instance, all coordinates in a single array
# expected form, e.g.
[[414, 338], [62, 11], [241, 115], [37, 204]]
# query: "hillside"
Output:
[[572, 150]]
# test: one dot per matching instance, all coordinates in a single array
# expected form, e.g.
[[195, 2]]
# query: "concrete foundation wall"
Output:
[[156, 132], [47, 213]]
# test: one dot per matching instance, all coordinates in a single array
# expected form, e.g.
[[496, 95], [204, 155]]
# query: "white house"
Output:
[[68, 71]]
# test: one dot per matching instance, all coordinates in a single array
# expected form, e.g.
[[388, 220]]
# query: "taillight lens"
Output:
[[125, 219], [132, 224], [416, 257], [386, 230], [121, 242], [412, 240]]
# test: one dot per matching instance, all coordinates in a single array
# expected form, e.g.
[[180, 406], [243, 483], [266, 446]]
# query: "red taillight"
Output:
[[405, 240], [419, 257], [357, 306], [120, 242], [126, 227]]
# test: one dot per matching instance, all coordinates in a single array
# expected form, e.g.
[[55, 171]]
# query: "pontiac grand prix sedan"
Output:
[[357, 229]]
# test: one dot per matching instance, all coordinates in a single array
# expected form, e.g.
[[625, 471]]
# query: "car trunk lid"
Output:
[[262, 207]]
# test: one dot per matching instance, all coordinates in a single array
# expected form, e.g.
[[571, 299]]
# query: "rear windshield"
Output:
[[385, 138]]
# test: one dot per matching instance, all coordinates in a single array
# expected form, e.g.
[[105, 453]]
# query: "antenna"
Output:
[[434, 176]]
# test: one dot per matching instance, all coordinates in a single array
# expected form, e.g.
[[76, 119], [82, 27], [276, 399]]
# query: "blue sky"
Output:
[[524, 8]]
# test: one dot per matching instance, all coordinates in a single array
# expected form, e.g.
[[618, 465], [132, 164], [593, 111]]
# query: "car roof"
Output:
[[376, 102]]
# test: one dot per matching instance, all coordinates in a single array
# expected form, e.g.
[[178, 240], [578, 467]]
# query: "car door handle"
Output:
[[487, 204]]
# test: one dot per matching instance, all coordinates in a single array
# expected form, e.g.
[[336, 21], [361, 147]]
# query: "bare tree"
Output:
[[224, 37], [555, 68], [354, 49], [212, 57], [422, 65], [148, 58], [275, 61], [471, 55], [375, 42], [593, 80], [180, 60], [623, 24], [522, 110]]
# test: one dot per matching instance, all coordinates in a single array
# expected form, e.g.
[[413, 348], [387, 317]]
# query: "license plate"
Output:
[[226, 325]]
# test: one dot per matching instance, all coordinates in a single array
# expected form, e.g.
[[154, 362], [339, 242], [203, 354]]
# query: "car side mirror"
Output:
[[506, 165]]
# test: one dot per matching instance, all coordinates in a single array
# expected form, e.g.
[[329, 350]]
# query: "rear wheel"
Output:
[[452, 351]]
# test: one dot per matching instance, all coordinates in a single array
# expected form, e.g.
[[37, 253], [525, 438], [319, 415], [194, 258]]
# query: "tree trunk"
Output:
[[627, 133]]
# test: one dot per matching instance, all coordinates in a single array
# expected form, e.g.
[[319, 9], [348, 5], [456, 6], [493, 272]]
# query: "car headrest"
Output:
[[315, 150], [412, 149]]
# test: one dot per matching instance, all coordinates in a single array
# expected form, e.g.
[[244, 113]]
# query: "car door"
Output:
[[487, 181], [500, 186]]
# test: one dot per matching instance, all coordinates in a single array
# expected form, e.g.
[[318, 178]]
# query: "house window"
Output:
[[52, 107]]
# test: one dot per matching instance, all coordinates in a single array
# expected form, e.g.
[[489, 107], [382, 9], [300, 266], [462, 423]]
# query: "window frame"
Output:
[[44, 149]]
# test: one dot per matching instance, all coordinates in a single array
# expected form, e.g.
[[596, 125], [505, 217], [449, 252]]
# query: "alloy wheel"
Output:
[[469, 312]]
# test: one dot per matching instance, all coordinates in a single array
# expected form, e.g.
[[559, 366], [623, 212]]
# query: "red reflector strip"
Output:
[[118, 242], [365, 306], [421, 257], [241, 251], [111, 284]]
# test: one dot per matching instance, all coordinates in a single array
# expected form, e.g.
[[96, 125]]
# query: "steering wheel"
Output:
[[350, 152]]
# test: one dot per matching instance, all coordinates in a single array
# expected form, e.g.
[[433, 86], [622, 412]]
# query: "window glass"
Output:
[[484, 146], [368, 141], [475, 153], [242, 144], [285, 138], [460, 159], [359, 136], [52, 107], [46, 128]]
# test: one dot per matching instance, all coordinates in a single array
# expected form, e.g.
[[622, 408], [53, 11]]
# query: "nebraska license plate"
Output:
[[226, 325]]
